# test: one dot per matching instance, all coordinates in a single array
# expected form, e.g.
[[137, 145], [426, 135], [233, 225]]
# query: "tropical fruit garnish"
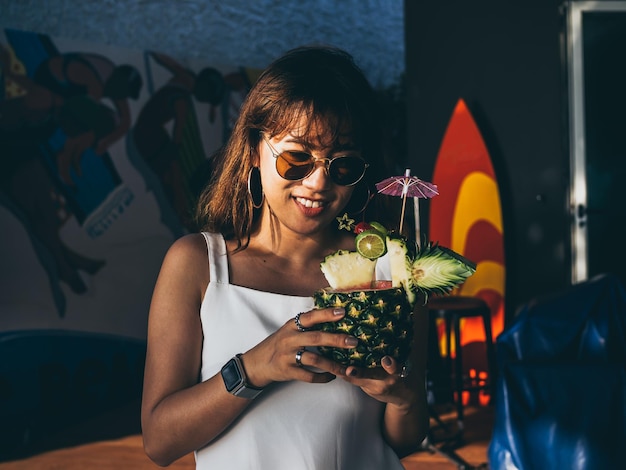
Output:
[[348, 268], [362, 227], [429, 269], [399, 261], [371, 244], [380, 227], [424, 270], [439, 269], [380, 315]]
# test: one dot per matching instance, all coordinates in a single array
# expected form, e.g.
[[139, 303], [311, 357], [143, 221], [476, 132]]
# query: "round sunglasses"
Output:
[[294, 165]]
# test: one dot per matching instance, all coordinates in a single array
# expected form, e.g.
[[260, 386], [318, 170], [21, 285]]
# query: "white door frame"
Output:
[[578, 180]]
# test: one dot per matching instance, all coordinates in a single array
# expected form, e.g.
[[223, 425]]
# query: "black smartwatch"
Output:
[[236, 381]]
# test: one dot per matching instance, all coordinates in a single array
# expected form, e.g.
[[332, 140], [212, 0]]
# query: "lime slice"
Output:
[[371, 244], [380, 227]]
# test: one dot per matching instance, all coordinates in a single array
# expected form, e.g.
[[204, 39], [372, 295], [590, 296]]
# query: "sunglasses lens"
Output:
[[346, 170], [294, 165]]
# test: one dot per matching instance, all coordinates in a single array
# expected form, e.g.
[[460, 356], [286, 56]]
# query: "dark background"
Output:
[[505, 60]]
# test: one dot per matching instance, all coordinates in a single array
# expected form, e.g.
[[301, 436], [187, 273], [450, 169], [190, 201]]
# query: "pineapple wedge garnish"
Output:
[[400, 266], [429, 269], [426, 270], [346, 270]]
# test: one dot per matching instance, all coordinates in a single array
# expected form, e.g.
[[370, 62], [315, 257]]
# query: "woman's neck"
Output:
[[270, 235], [287, 262], [296, 249]]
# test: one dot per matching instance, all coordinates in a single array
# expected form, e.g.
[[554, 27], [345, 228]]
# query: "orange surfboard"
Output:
[[467, 217]]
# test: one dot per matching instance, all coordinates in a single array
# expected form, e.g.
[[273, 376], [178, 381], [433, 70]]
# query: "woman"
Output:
[[224, 376]]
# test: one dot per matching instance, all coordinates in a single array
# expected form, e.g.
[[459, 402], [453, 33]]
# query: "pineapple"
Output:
[[430, 269], [348, 268], [380, 318], [439, 269], [380, 313], [399, 264]]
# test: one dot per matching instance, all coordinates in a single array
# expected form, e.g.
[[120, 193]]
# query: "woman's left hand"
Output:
[[383, 383]]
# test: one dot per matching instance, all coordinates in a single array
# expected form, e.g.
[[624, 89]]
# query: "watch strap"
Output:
[[240, 388]]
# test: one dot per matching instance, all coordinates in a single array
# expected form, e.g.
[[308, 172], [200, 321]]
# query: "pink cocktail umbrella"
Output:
[[408, 186]]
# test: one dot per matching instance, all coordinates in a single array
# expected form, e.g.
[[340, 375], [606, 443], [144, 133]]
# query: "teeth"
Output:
[[309, 203]]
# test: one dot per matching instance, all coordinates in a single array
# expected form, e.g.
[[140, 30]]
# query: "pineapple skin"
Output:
[[381, 319]]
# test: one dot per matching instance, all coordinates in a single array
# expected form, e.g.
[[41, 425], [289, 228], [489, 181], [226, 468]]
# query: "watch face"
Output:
[[232, 376]]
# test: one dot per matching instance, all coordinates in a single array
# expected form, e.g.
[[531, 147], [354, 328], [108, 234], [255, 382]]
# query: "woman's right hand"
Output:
[[274, 359]]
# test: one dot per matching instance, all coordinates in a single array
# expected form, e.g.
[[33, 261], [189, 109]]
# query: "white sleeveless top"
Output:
[[291, 425]]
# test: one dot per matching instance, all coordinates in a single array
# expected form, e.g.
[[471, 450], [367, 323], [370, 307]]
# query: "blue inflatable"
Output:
[[561, 391]]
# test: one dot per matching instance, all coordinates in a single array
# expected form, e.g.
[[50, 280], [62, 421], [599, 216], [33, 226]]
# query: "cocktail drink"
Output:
[[379, 313], [381, 319]]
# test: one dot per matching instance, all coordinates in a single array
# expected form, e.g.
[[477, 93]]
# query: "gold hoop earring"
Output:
[[255, 188]]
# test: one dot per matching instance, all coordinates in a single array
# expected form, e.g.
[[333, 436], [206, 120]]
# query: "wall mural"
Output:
[[102, 152]]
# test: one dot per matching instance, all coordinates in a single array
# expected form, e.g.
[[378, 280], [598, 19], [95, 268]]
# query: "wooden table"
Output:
[[126, 452]]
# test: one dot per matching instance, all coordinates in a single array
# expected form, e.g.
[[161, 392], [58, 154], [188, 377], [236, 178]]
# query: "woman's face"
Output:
[[309, 205]]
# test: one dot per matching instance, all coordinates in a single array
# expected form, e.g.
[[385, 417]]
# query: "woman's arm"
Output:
[[180, 415]]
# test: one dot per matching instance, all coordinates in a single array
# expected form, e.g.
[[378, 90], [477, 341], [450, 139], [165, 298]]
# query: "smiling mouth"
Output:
[[308, 203]]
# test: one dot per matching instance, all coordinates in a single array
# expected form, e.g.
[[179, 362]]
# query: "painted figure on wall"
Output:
[[27, 120], [167, 135], [56, 126], [84, 81], [103, 152]]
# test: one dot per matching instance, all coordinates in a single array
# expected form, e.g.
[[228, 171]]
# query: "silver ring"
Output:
[[406, 369], [299, 357], [297, 322]]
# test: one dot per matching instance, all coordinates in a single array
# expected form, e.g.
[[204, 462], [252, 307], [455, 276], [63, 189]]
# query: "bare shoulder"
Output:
[[187, 258], [188, 246]]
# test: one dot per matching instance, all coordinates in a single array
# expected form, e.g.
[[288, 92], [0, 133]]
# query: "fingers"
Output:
[[315, 368], [296, 342], [321, 338], [299, 325], [356, 374], [299, 357], [390, 369], [305, 320], [306, 336], [389, 364]]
